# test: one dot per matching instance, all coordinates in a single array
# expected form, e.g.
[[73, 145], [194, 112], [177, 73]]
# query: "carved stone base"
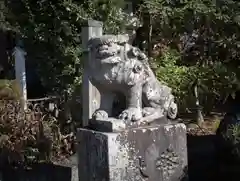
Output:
[[154, 153]]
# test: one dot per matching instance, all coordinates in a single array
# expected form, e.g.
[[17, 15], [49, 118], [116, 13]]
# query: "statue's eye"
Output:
[[137, 68]]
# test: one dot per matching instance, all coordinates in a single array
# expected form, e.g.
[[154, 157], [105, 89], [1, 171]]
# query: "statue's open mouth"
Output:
[[105, 54]]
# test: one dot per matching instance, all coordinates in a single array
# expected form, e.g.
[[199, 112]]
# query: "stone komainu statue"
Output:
[[117, 66]]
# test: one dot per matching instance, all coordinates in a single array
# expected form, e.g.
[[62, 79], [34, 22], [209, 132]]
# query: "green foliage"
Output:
[[52, 35], [214, 25], [178, 77], [232, 139], [202, 40], [9, 90], [214, 80], [110, 12]]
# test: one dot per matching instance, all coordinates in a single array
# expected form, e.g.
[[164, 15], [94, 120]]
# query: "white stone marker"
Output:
[[20, 73]]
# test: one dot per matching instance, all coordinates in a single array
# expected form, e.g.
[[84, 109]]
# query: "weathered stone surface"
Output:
[[154, 153]]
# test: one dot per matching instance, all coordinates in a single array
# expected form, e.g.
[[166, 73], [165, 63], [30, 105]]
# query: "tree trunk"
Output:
[[200, 119]]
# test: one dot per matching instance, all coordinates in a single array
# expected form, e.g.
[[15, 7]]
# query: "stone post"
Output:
[[20, 72], [91, 95]]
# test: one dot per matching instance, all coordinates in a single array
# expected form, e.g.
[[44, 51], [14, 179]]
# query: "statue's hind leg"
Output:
[[151, 114]]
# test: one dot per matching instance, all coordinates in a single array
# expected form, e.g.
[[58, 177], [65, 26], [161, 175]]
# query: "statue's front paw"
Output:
[[172, 111], [131, 114], [147, 111], [100, 115]]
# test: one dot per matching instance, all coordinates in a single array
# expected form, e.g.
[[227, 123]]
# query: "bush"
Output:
[[214, 81], [228, 136], [9, 89], [177, 77], [232, 136], [30, 137]]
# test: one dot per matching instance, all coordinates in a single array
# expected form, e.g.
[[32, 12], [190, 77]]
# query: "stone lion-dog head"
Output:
[[115, 61]]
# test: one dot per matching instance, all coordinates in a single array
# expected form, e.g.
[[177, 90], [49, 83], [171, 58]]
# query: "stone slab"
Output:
[[72, 163], [110, 125], [153, 153], [115, 125]]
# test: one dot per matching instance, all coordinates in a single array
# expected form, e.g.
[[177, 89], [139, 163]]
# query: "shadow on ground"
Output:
[[39, 172], [205, 165], [201, 158]]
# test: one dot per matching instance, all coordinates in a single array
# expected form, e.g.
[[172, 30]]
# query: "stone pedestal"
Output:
[[153, 153]]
